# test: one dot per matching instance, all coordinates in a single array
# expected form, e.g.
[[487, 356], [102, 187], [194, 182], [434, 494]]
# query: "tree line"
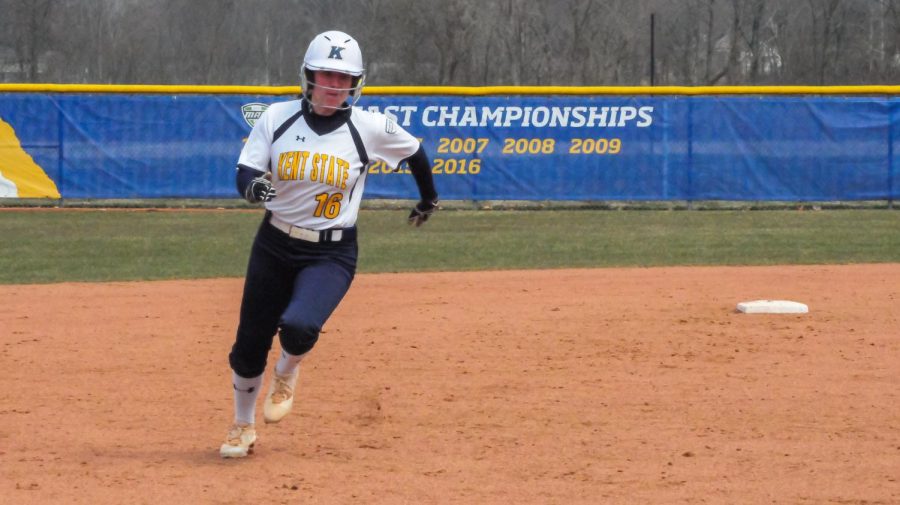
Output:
[[456, 42]]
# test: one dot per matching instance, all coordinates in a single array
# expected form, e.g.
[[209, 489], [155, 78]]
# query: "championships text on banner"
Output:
[[484, 150]]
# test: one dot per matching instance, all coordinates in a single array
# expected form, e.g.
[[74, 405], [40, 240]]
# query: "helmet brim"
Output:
[[334, 66]]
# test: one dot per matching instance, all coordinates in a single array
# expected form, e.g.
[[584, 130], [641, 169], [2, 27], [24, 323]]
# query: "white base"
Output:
[[772, 307]]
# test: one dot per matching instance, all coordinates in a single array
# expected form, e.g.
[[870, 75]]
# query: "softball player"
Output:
[[313, 154]]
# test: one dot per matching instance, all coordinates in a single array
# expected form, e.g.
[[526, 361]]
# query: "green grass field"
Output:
[[40, 246]]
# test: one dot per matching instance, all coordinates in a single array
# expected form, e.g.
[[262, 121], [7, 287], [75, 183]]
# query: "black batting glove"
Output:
[[422, 211], [260, 189]]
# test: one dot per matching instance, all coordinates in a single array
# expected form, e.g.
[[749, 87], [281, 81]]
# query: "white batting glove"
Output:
[[421, 212], [260, 189]]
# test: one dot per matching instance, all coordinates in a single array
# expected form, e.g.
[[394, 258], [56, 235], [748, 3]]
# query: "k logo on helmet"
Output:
[[336, 53], [252, 112]]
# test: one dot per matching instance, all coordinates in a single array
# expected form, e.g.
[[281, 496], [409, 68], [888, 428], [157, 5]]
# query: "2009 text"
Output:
[[595, 146]]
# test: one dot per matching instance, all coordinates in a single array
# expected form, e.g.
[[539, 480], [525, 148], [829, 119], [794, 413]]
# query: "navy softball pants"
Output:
[[292, 285]]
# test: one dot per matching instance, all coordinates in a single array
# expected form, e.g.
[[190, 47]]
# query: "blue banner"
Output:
[[563, 147]]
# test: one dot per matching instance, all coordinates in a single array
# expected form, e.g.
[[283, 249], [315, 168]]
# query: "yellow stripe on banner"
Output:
[[18, 167], [459, 90], [162, 89], [634, 90]]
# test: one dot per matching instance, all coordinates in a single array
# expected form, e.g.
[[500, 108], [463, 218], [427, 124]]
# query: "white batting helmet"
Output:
[[337, 52]]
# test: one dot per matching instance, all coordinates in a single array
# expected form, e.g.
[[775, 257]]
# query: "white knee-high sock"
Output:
[[245, 393], [287, 363]]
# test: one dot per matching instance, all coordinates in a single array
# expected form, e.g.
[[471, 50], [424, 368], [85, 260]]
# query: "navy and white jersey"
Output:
[[319, 163]]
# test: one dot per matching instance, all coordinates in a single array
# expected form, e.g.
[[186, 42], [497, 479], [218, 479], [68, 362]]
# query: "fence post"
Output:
[[653, 49]]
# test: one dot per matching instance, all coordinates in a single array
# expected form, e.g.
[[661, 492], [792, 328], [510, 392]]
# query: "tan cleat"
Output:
[[239, 441], [280, 398]]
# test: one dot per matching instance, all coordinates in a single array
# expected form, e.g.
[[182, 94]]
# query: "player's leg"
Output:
[[318, 289], [267, 291]]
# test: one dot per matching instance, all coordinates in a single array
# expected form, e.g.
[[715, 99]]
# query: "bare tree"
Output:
[[26, 32], [461, 42]]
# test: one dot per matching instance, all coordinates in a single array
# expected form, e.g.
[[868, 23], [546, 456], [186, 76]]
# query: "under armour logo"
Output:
[[336, 52], [301, 139]]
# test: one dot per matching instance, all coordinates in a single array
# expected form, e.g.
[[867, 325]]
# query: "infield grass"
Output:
[[57, 245]]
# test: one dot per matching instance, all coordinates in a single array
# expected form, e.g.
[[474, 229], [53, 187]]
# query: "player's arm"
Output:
[[254, 185], [420, 166]]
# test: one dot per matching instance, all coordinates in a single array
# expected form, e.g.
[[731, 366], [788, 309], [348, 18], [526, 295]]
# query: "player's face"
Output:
[[331, 89]]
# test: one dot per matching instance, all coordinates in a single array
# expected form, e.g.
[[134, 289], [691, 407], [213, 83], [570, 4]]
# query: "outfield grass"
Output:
[[38, 246]]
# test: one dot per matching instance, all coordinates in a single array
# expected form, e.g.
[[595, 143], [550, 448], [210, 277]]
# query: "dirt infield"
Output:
[[569, 386]]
